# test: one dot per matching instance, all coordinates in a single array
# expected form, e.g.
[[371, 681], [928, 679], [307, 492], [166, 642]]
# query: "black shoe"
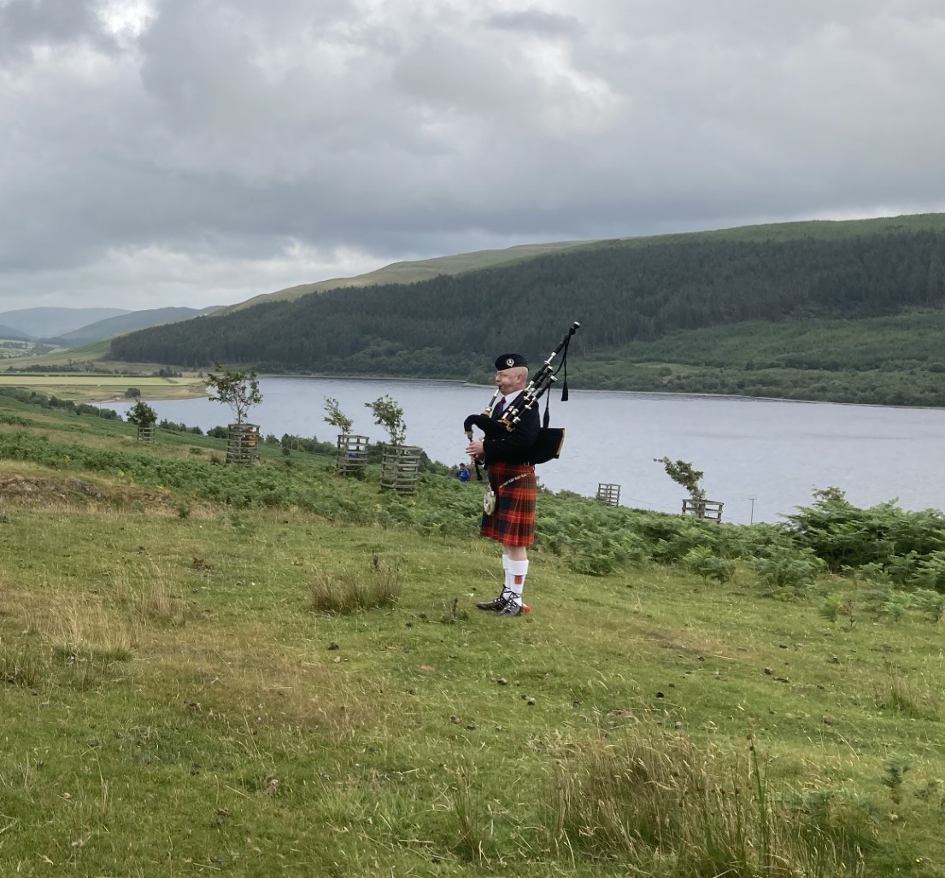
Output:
[[515, 608], [496, 605]]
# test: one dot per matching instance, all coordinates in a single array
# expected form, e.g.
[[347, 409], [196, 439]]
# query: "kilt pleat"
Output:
[[513, 521]]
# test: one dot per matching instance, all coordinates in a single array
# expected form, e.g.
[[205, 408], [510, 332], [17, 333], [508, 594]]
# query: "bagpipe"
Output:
[[550, 439]]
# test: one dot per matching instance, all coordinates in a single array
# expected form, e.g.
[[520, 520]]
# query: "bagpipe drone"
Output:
[[550, 439]]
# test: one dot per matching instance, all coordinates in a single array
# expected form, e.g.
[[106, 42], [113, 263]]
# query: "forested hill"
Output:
[[624, 292]]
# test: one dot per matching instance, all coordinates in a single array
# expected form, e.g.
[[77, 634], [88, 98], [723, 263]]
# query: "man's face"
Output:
[[509, 380]]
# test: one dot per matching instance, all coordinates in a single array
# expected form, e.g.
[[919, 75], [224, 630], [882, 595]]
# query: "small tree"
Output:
[[335, 417], [390, 416], [237, 388], [142, 415], [682, 473]]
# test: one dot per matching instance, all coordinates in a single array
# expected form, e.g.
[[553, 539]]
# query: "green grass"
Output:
[[172, 704]]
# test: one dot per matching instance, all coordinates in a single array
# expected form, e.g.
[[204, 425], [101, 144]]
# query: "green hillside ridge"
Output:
[[897, 360], [685, 698], [426, 269], [414, 271], [832, 282]]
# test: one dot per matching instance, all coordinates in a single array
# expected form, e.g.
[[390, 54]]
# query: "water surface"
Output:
[[762, 458]]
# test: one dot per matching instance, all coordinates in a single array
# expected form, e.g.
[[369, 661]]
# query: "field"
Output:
[[214, 670], [106, 386]]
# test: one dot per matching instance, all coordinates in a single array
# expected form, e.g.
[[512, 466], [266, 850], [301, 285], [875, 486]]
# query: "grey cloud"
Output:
[[230, 135], [25, 24], [535, 21]]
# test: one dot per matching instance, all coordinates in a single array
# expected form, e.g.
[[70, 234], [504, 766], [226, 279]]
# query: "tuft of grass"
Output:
[[80, 624], [473, 844], [658, 802], [148, 597], [349, 590], [897, 691], [21, 668]]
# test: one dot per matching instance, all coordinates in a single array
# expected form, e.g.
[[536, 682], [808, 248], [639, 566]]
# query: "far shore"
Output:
[[105, 388]]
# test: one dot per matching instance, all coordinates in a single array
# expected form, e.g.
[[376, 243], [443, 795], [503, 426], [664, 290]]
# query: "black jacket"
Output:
[[514, 446]]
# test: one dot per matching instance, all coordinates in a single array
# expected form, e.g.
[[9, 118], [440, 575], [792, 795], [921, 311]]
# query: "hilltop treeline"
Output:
[[623, 292]]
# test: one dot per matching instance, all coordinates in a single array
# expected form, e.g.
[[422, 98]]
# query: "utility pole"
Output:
[[751, 516]]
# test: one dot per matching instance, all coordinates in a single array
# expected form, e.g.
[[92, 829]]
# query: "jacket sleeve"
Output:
[[514, 446]]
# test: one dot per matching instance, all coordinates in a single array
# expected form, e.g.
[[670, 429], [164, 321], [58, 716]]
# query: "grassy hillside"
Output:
[[412, 272], [426, 269], [896, 360], [176, 698], [834, 283]]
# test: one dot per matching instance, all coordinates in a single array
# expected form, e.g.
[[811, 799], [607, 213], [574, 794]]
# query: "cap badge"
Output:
[[510, 361]]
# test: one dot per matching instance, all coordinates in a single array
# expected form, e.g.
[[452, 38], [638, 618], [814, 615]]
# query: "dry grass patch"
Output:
[[148, 596], [85, 624], [377, 584], [667, 807]]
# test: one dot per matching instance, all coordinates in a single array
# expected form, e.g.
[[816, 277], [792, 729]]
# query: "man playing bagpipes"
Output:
[[515, 440], [512, 482]]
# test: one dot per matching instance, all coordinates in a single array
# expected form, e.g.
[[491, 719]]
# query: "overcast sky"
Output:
[[199, 152]]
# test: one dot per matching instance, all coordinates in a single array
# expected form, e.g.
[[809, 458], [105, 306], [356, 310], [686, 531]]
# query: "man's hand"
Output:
[[475, 448]]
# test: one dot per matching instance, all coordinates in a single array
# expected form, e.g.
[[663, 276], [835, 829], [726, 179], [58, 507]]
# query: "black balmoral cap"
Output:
[[508, 361]]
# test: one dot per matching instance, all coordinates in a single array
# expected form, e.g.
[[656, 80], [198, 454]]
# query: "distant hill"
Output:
[[11, 333], [53, 322], [128, 322], [751, 282], [411, 272]]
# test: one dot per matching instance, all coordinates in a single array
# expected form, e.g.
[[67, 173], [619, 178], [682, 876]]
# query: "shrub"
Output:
[[931, 603], [685, 475], [389, 415], [335, 417], [141, 414], [236, 388], [784, 569], [705, 563], [930, 571], [846, 536]]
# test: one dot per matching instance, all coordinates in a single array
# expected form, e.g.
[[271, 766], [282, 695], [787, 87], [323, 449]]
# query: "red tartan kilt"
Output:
[[513, 522]]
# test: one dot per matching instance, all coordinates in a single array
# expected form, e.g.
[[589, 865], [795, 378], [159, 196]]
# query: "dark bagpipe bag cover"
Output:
[[548, 445]]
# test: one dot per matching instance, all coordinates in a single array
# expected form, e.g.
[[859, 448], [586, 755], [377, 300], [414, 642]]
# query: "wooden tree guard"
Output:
[[708, 509], [352, 454], [146, 433], [400, 467], [608, 494], [242, 444]]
